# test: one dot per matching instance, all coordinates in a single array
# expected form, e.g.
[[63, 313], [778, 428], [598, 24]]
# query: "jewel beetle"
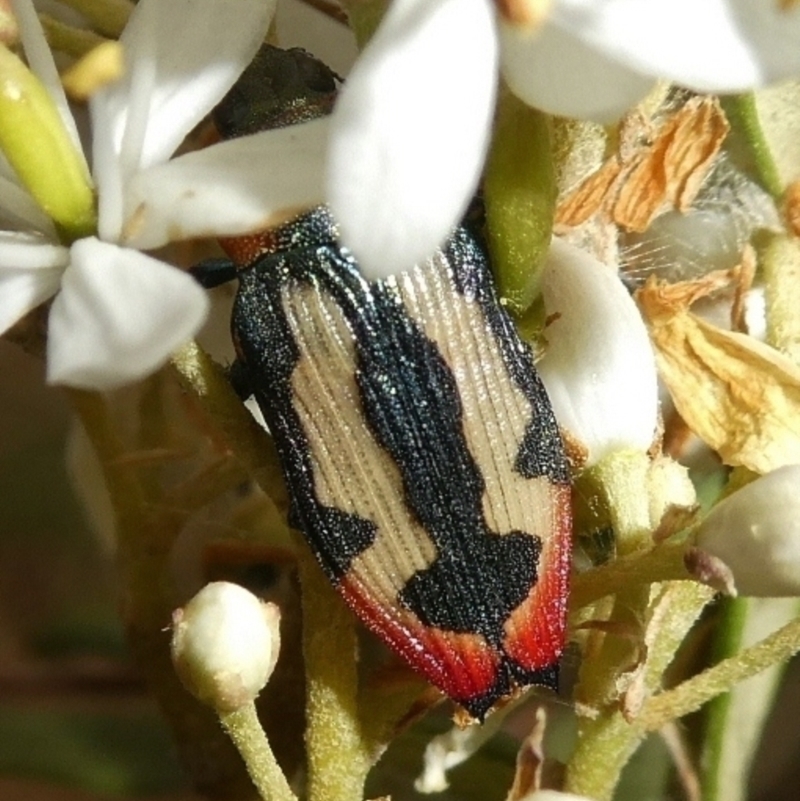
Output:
[[421, 454]]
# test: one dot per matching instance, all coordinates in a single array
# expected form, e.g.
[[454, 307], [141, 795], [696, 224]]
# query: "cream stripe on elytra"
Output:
[[351, 470]]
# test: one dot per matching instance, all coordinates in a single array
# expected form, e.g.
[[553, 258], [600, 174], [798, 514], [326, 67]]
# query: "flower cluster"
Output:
[[411, 128], [118, 313], [86, 195], [412, 124]]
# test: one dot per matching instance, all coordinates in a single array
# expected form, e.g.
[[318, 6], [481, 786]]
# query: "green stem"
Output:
[[727, 642], [619, 480], [693, 693], [619, 663], [780, 261], [736, 719], [207, 382], [339, 756], [520, 196], [622, 482], [604, 747], [660, 563], [749, 142], [246, 733], [606, 742]]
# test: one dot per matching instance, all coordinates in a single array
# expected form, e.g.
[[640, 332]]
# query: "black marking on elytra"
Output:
[[456, 592], [541, 452], [412, 405], [411, 401], [266, 346], [509, 676]]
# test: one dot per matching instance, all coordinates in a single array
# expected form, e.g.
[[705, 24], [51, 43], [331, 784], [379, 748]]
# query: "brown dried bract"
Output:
[[662, 301], [739, 395], [530, 760], [744, 275], [590, 196], [632, 188]]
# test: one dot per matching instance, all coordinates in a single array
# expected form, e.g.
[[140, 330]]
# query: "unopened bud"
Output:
[[756, 533], [225, 644], [598, 367]]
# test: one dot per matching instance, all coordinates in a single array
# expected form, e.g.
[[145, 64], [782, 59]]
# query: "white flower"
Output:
[[409, 135], [756, 533], [410, 131], [598, 366], [595, 59], [120, 313], [225, 644]]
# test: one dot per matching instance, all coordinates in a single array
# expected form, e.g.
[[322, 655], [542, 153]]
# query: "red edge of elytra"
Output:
[[465, 666]]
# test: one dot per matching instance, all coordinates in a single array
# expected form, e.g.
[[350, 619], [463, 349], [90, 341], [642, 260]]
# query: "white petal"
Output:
[[598, 366], [118, 316], [756, 532], [19, 210], [707, 45], [233, 187], [181, 58], [26, 284], [558, 73], [21, 291], [30, 273], [410, 131], [24, 250]]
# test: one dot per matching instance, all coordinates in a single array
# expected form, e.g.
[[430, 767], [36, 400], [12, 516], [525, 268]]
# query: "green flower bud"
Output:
[[38, 146]]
